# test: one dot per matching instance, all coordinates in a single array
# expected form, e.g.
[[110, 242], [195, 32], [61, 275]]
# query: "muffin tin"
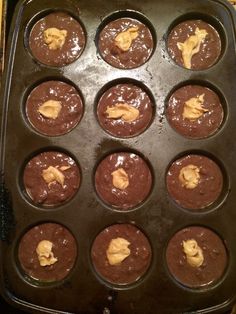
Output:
[[83, 291]]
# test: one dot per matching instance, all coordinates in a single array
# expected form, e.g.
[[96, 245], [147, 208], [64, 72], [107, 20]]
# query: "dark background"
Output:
[[4, 307]]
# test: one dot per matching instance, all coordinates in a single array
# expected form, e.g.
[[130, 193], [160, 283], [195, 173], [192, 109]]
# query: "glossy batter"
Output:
[[132, 267], [214, 253], [69, 115], [64, 249], [139, 176], [210, 48], [54, 193], [208, 188], [125, 94], [139, 52], [205, 125], [74, 42]]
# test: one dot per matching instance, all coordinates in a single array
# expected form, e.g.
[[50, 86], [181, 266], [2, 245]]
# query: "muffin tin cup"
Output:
[[123, 286], [211, 20], [85, 215], [42, 15], [204, 287], [219, 201], [33, 281], [213, 88], [37, 84], [116, 208], [22, 187], [124, 81], [131, 14]]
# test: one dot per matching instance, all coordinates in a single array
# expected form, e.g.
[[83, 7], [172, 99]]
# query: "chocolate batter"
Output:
[[71, 49], [210, 48], [214, 254], [139, 51], [202, 127], [64, 249], [54, 192], [132, 267], [125, 94], [70, 113], [139, 177], [209, 182]]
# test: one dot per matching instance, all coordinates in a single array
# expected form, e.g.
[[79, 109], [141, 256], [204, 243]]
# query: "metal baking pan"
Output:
[[85, 215]]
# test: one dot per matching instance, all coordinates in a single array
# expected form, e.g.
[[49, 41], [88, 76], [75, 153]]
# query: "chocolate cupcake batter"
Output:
[[125, 110], [195, 111], [57, 39], [194, 181], [196, 257], [125, 43], [123, 180], [51, 178], [47, 252], [121, 254], [196, 38], [54, 108]]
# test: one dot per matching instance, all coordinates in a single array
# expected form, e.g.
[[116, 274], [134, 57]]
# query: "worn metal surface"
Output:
[[85, 215]]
